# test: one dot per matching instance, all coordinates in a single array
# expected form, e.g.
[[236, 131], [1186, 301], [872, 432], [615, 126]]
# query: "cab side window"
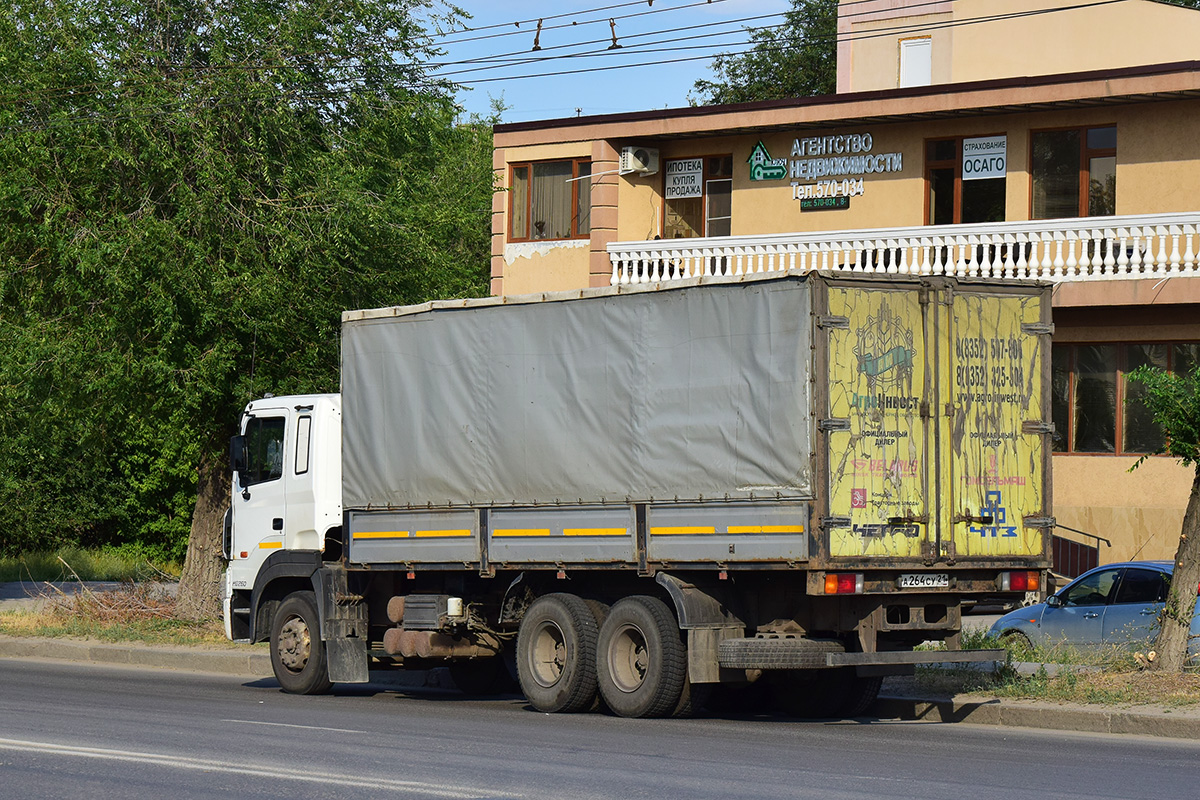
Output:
[[264, 450], [1094, 590]]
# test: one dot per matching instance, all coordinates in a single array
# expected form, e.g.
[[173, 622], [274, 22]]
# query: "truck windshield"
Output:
[[264, 450]]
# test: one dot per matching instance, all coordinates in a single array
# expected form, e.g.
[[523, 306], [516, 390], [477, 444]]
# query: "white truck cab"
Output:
[[287, 490]]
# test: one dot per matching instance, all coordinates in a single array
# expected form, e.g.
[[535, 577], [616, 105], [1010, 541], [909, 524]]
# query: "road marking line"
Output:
[[286, 725], [255, 770]]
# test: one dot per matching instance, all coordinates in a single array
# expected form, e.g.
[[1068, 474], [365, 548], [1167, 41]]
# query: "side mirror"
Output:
[[237, 455], [1054, 601]]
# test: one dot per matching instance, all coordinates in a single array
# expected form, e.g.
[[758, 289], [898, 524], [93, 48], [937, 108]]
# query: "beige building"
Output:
[[1005, 138]]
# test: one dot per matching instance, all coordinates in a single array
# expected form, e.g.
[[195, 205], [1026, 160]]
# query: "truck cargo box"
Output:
[[791, 420]]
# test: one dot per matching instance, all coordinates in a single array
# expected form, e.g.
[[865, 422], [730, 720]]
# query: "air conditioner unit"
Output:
[[642, 160]]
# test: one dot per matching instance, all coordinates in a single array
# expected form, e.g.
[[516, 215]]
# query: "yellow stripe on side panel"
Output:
[[766, 529], [680, 531], [442, 534], [521, 532], [270, 545], [381, 534], [595, 531]]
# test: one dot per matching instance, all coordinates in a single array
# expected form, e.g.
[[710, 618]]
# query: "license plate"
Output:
[[924, 580]]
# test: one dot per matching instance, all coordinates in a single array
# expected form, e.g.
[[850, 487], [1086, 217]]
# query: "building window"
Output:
[[1074, 172], [705, 208], [965, 180], [551, 200], [916, 61], [1096, 409]]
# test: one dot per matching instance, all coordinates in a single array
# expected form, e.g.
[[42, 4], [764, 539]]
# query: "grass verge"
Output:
[[1106, 675], [143, 613], [75, 563]]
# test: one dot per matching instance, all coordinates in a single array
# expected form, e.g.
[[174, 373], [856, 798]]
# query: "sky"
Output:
[[648, 32]]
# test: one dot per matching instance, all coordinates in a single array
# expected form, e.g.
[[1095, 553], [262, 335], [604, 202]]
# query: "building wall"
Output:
[[1158, 163], [1140, 512], [1018, 38]]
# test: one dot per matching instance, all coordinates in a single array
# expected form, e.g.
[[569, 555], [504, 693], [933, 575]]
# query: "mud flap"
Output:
[[347, 660], [343, 626]]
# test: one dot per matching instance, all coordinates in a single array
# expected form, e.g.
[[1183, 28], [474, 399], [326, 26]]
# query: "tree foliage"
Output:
[[795, 59], [1174, 400], [190, 195]]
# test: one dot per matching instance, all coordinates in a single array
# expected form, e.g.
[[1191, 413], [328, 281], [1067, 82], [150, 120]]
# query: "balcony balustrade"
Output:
[[1155, 246]]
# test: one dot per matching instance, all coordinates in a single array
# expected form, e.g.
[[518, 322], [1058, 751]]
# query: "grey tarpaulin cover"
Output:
[[697, 392]]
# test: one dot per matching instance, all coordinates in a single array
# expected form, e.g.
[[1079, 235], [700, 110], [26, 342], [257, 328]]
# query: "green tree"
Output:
[[1174, 400], [190, 195], [795, 59]]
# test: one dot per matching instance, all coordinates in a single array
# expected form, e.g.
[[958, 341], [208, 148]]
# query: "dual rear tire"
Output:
[[573, 653]]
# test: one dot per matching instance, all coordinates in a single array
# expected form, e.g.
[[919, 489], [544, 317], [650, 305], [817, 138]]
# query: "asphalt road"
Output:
[[74, 730]]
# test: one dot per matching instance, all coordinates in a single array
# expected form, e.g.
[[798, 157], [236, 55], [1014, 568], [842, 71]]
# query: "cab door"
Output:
[[259, 501]]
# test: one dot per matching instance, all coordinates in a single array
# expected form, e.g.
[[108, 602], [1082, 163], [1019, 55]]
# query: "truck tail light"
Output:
[[843, 583], [1024, 581]]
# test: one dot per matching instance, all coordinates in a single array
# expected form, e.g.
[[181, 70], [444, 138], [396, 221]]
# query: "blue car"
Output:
[[1116, 604]]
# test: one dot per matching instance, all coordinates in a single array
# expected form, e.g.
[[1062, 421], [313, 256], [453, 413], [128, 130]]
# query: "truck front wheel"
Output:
[[297, 652], [642, 663], [556, 654]]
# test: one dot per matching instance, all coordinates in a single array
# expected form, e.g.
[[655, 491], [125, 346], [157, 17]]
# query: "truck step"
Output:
[[778, 653]]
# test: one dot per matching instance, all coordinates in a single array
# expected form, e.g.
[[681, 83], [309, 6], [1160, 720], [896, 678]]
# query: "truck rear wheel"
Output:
[[297, 652], [556, 654], [642, 662]]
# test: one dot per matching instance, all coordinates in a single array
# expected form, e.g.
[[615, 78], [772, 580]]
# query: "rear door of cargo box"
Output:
[[997, 444], [935, 420], [878, 433]]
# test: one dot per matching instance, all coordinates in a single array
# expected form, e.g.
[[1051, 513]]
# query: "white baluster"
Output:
[[1058, 262], [1109, 261], [656, 260], [1160, 260], [926, 267], [1175, 257], [1072, 261], [824, 256], [1189, 255], [1022, 258]]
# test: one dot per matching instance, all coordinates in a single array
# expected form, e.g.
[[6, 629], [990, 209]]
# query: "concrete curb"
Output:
[[226, 662], [975, 710], [1045, 716]]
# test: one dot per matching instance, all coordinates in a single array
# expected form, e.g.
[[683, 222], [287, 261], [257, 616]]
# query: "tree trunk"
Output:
[[200, 583], [1176, 618]]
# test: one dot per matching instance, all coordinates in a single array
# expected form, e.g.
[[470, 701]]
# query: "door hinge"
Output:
[[831, 321], [1038, 427], [1039, 522], [828, 425], [835, 522], [1038, 328]]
